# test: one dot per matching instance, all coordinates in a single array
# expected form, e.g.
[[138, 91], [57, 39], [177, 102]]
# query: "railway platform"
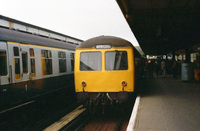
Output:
[[167, 104]]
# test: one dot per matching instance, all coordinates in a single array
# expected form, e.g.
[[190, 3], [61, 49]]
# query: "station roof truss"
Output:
[[163, 26]]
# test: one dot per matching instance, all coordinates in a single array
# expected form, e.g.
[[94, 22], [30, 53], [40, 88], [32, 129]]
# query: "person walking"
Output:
[[163, 67]]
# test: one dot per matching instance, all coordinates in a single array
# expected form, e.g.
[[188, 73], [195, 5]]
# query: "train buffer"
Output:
[[166, 104]]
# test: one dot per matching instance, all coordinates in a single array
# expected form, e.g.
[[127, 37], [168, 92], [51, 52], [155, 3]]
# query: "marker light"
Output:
[[124, 83], [84, 84]]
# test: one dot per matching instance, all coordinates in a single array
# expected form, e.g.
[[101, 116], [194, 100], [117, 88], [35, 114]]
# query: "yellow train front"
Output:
[[104, 71]]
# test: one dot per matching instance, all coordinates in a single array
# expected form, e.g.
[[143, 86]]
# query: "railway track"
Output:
[[112, 120], [37, 114], [80, 120], [40, 116], [72, 121], [111, 123], [78, 123]]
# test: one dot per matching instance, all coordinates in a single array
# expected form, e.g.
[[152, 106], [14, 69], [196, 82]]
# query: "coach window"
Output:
[[25, 62], [32, 61], [116, 60], [16, 51], [3, 63], [62, 62], [46, 62], [16, 62], [72, 61], [90, 61]]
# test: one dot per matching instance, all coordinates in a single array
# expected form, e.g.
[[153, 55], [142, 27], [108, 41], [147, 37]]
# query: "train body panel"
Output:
[[31, 66]]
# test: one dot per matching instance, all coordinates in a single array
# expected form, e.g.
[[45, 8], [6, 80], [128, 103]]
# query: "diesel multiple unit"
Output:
[[105, 71]]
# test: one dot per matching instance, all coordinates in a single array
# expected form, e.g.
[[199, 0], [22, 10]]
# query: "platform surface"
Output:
[[168, 104]]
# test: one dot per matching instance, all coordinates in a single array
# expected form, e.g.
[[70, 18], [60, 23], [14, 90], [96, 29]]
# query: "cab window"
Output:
[[116, 60], [3, 63], [90, 61]]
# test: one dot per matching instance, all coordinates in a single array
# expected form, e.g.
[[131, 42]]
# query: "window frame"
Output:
[[72, 56], [32, 58], [24, 62], [101, 56], [5, 64], [127, 64], [62, 57], [17, 66], [46, 56]]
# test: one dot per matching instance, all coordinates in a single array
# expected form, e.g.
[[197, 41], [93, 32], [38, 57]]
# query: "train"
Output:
[[106, 70], [31, 65]]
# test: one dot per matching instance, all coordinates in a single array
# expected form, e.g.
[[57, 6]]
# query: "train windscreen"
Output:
[[116, 60], [90, 61]]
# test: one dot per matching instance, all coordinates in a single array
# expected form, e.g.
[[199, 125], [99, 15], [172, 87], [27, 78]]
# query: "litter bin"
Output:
[[186, 71]]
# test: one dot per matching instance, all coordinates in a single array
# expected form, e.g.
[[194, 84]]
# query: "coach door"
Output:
[[24, 62], [4, 77], [14, 62], [19, 63]]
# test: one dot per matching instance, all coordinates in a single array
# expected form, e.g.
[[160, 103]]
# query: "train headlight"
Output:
[[84, 84], [124, 83]]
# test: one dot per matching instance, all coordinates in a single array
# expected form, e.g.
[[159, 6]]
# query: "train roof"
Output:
[[105, 40], [22, 26], [16, 36]]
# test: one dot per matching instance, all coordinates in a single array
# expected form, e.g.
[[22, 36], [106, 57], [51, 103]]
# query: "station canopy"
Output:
[[163, 26]]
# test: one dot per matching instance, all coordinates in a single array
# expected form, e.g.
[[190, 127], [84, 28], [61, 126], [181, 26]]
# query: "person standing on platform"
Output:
[[197, 70], [151, 66], [174, 69], [157, 67], [163, 67]]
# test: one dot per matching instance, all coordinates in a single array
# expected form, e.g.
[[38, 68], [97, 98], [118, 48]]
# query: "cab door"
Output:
[[4, 74]]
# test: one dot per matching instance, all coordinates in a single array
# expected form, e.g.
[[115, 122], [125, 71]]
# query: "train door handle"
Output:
[[30, 76]]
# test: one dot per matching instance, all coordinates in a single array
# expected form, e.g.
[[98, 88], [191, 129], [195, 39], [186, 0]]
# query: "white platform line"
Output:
[[131, 123]]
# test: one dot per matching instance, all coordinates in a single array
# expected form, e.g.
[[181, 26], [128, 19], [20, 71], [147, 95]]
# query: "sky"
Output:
[[82, 19]]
